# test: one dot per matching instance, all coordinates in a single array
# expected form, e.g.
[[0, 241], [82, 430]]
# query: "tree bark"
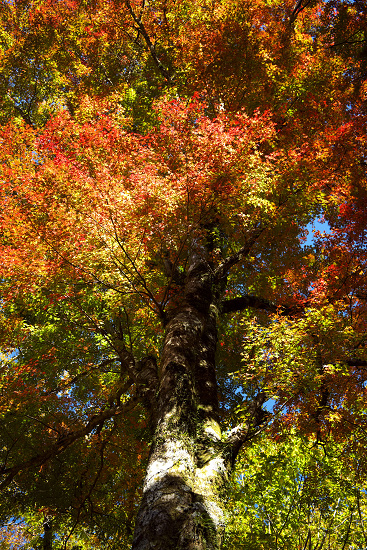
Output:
[[47, 533], [187, 471]]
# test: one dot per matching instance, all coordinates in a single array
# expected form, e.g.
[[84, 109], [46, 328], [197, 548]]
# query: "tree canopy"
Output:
[[161, 165]]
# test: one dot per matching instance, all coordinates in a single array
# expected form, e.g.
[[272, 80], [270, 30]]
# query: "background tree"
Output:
[[160, 165], [293, 494]]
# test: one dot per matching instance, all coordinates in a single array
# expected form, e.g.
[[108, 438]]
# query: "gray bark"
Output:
[[187, 471]]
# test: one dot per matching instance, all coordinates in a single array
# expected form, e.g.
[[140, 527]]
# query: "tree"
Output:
[[297, 495], [156, 188]]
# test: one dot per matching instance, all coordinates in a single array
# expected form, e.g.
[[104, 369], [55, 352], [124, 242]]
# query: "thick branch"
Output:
[[146, 379], [65, 441], [356, 363], [244, 302], [246, 431], [223, 269]]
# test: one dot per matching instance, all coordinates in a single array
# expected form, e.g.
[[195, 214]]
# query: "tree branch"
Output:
[[246, 431], [356, 363], [224, 267], [25, 116], [65, 441], [244, 302], [148, 42], [63, 386], [297, 10]]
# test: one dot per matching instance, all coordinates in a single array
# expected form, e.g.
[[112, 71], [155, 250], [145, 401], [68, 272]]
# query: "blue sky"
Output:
[[312, 227], [315, 226]]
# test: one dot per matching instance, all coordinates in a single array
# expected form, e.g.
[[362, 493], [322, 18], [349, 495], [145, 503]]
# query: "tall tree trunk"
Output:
[[182, 505], [47, 533]]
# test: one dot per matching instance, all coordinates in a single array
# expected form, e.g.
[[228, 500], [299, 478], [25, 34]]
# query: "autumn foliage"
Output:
[[133, 137]]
